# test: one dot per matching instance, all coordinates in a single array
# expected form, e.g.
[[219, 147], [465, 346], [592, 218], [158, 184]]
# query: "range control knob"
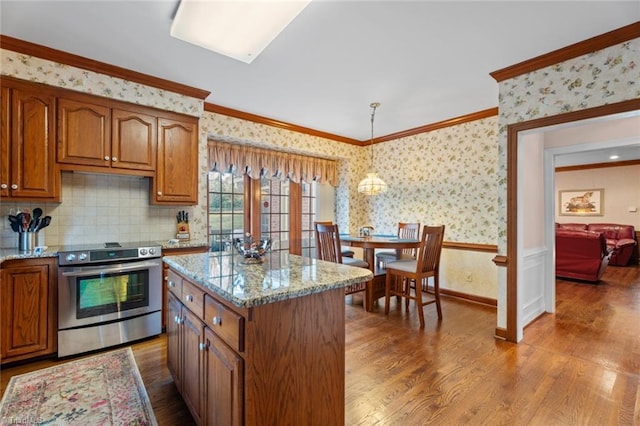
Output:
[[143, 251], [71, 257], [82, 256], [152, 251]]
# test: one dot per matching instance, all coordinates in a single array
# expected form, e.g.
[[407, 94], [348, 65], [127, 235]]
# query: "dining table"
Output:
[[376, 287]]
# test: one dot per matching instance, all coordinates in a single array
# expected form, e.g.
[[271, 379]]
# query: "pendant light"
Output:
[[372, 184]]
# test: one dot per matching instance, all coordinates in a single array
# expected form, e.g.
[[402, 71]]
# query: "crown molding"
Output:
[[36, 50], [593, 44], [439, 125], [597, 166], [218, 109], [288, 126], [43, 52]]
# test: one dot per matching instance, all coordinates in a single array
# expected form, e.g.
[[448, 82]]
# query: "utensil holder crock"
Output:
[[27, 241]]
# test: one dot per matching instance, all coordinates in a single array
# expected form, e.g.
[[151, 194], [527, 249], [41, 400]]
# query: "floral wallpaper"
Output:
[[43, 71], [603, 77], [446, 176]]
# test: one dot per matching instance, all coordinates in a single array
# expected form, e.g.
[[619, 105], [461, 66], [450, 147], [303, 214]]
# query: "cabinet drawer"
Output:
[[174, 283], [193, 298], [225, 323]]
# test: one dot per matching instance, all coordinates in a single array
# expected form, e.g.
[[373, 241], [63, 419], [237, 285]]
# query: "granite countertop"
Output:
[[282, 276], [14, 253]]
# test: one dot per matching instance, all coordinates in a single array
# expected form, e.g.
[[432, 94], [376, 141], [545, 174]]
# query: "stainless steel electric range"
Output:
[[107, 295]]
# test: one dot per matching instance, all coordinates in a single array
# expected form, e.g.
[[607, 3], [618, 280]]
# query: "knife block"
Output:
[[183, 231]]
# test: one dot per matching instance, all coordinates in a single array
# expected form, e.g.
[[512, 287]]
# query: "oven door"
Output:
[[96, 294]]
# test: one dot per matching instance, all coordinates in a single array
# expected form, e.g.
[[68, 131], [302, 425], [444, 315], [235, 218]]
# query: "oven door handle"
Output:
[[91, 270]]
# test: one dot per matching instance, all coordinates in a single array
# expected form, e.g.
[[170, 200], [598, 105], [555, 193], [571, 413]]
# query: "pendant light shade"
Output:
[[372, 184]]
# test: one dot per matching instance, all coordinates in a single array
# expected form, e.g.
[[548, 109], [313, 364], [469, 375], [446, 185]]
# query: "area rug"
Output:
[[101, 390]]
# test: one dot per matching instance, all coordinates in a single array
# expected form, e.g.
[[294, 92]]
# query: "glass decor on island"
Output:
[[250, 250]]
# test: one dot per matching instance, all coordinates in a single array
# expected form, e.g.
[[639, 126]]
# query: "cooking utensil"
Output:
[[44, 223], [16, 227], [37, 212], [20, 218]]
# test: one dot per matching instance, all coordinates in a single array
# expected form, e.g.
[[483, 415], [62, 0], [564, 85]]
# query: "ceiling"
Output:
[[423, 61]]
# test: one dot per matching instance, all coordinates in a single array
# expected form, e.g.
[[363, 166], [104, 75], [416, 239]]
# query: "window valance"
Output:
[[259, 162]]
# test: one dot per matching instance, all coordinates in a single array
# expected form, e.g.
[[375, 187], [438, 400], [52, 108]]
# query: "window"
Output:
[[283, 210], [226, 209], [309, 213], [286, 212], [274, 212]]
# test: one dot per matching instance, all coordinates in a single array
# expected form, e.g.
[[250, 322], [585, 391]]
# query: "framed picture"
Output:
[[581, 202]]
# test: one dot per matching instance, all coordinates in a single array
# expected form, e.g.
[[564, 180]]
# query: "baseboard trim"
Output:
[[466, 296], [470, 297], [500, 333]]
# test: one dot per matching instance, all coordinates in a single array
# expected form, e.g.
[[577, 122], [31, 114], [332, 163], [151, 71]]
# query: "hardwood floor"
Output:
[[580, 366]]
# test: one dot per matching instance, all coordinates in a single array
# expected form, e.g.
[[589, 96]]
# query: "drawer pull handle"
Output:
[[216, 320], [188, 298]]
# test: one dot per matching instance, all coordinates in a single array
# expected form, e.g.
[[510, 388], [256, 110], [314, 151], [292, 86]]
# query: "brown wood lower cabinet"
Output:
[[206, 371], [174, 251], [277, 363], [223, 382], [28, 319]]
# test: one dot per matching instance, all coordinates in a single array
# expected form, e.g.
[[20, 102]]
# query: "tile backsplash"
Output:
[[97, 208]]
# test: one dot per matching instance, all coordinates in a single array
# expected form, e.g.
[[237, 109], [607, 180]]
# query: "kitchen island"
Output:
[[259, 343]]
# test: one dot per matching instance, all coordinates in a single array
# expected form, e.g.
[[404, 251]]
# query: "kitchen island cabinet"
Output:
[[173, 250], [273, 346]]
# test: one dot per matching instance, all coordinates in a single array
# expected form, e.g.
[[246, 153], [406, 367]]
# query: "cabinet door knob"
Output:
[[106, 157], [114, 159], [4, 186], [171, 284], [202, 346], [176, 319], [159, 192], [216, 320], [14, 186], [188, 298]]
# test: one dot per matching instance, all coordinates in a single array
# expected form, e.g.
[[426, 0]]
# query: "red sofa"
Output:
[[581, 254], [621, 239]]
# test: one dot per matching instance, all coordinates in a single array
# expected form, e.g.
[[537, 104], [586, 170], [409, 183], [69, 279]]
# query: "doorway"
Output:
[[515, 132]]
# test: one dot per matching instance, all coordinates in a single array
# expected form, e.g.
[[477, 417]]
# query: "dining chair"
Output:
[[405, 230], [401, 273], [345, 252], [328, 249], [328, 246]]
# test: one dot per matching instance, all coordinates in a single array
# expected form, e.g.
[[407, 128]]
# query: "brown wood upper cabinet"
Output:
[[95, 134], [27, 143], [176, 180]]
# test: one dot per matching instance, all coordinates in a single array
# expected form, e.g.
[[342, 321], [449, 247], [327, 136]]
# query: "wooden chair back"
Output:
[[409, 230], [430, 249], [328, 242]]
